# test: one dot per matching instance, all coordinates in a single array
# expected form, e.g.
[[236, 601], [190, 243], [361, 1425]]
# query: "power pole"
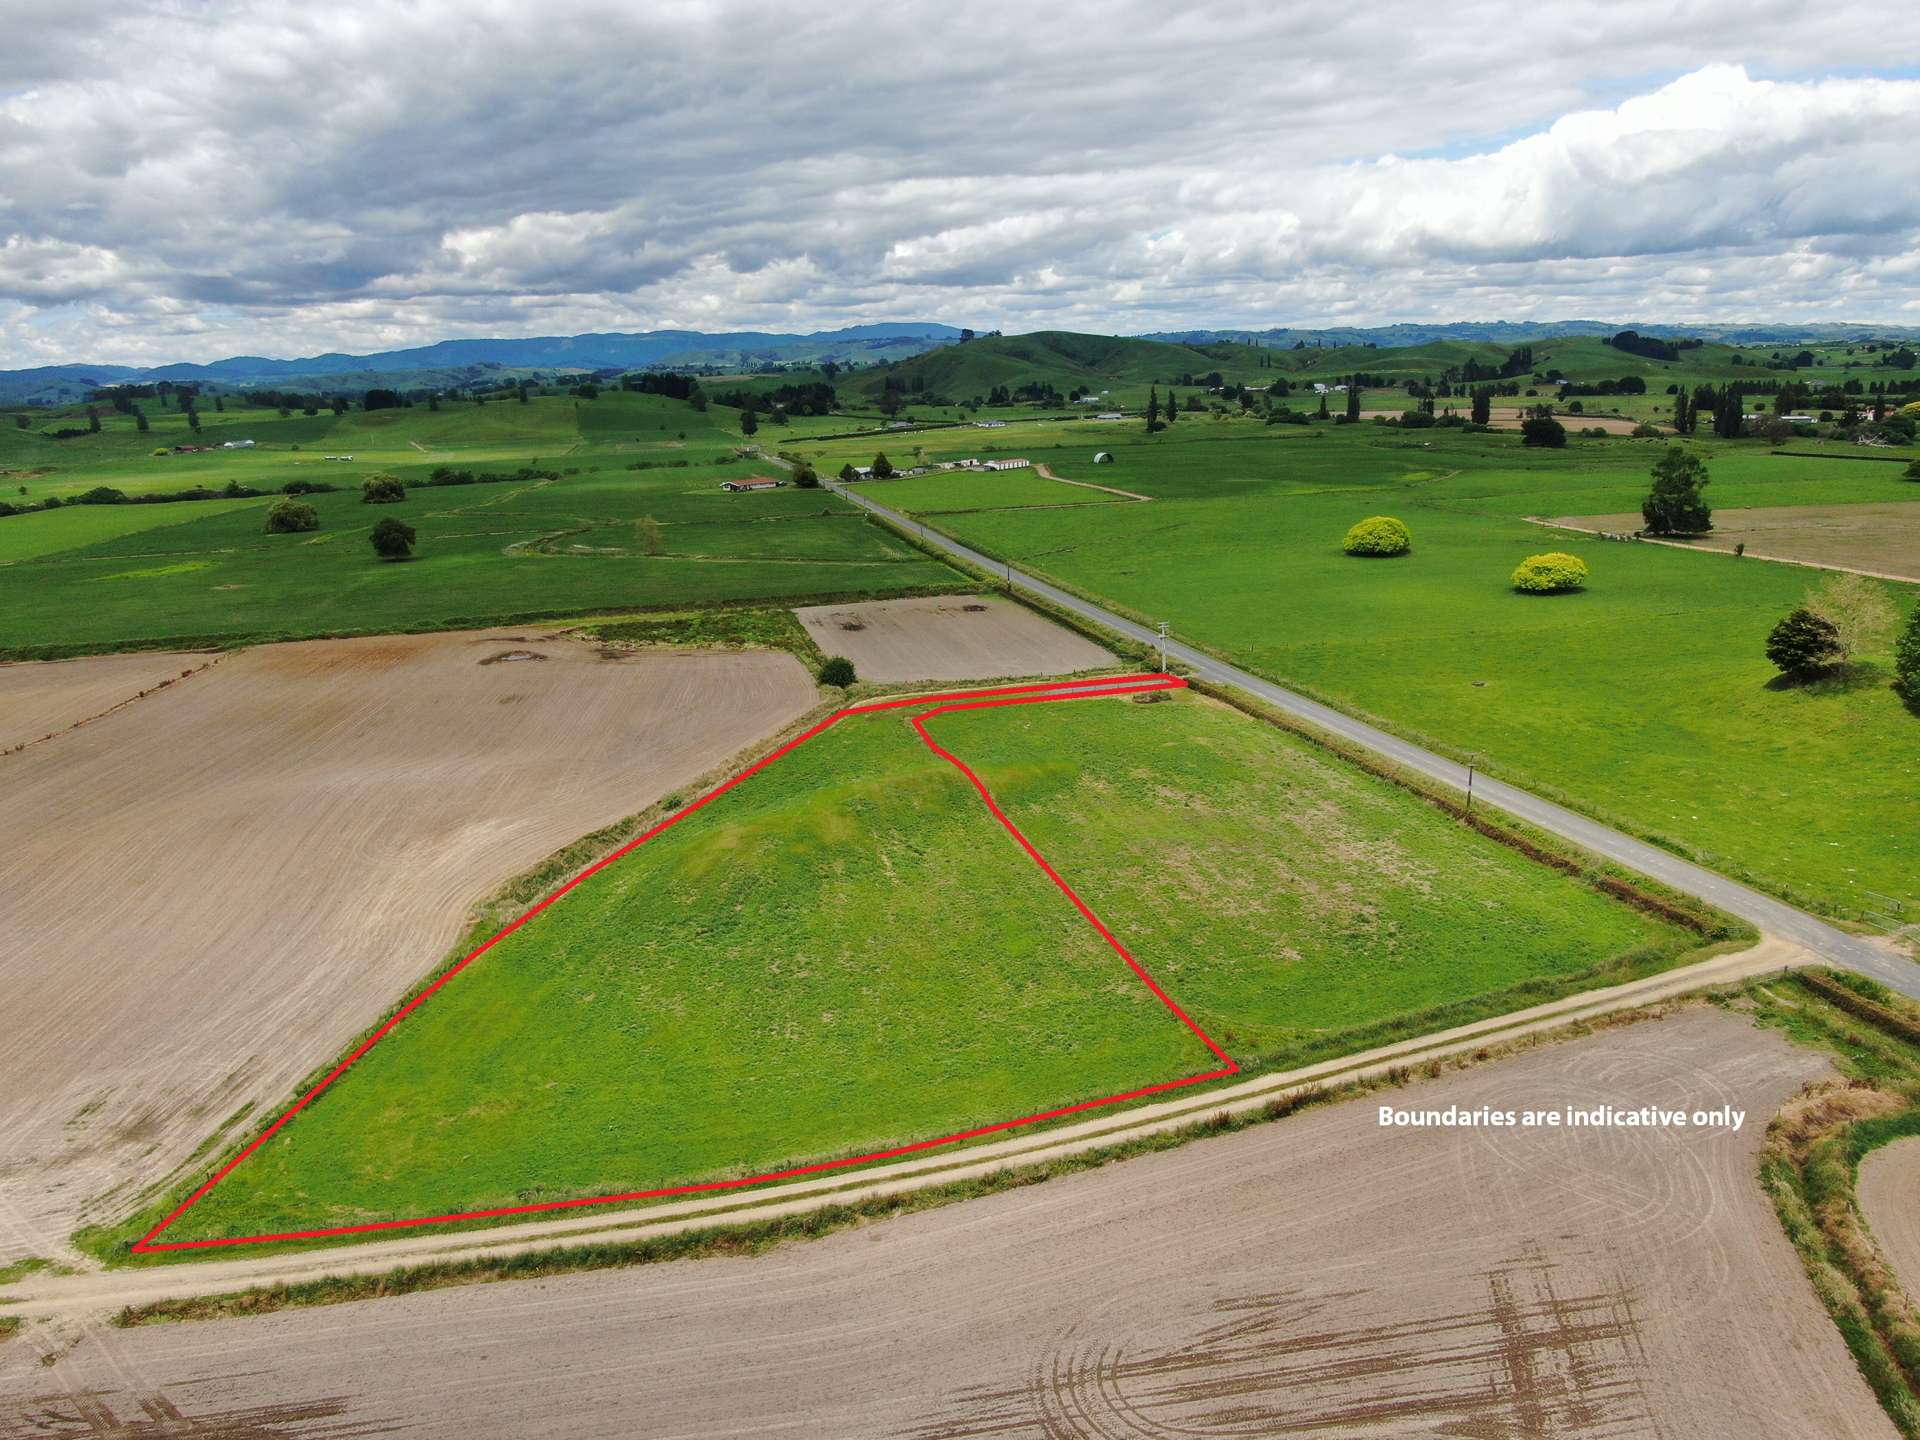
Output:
[[1163, 646], [1472, 761]]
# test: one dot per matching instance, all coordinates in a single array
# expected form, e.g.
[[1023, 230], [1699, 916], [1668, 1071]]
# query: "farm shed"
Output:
[[752, 482], [1103, 457]]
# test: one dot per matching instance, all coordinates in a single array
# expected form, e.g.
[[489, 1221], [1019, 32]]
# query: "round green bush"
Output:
[[838, 670], [392, 539], [1804, 644], [1378, 535], [1550, 574], [290, 517], [382, 489]]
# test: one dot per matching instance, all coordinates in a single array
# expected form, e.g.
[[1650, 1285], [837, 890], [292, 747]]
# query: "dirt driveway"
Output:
[[1322, 1276], [209, 890]]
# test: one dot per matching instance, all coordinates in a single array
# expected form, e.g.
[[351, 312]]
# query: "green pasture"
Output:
[[846, 952], [1647, 698]]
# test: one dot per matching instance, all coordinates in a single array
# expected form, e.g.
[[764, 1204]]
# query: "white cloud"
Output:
[[188, 181]]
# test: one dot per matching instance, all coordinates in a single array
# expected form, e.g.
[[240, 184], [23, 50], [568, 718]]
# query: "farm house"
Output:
[[752, 482]]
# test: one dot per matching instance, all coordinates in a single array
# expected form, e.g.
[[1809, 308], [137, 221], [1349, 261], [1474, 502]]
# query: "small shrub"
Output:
[[805, 476], [1644, 431], [1378, 535], [382, 489], [392, 539], [1804, 644], [1550, 574], [838, 670], [291, 517], [1912, 472]]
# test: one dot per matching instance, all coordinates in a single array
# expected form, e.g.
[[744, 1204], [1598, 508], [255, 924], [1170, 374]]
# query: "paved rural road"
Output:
[[1770, 915]]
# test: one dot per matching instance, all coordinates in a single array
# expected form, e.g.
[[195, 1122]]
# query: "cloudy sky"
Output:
[[187, 179]]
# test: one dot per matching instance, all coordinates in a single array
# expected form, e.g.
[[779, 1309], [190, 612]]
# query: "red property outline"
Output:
[[940, 705]]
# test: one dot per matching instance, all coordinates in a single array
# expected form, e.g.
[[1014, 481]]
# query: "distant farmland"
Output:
[[1647, 698]]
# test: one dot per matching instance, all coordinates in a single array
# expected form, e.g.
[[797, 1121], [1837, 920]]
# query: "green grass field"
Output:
[[1647, 698], [847, 952], [99, 577]]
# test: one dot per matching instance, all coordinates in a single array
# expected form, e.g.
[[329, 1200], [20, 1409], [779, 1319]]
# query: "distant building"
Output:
[[1007, 465], [752, 482], [1110, 415], [989, 424]]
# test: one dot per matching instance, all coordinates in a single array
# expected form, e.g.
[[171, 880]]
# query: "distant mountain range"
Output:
[[465, 362], [1509, 332], [450, 362]]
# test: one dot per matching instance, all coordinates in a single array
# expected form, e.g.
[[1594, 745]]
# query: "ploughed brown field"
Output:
[[1320, 1276], [1880, 538], [1890, 1199], [949, 637], [209, 890], [42, 698]]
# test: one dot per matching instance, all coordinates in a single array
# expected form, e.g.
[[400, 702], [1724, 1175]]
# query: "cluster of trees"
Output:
[[108, 495], [674, 387], [1518, 362], [1651, 348], [447, 475], [1625, 385], [813, 398]]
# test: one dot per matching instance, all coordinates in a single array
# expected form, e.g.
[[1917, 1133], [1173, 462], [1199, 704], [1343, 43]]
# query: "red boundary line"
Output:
[[942, 704]]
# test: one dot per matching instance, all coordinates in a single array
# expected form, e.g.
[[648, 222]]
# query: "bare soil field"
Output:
[[44, 697], [948, 637], [1320, 1276], [1511, 415], [1878, 539], [1890, 1199], [210, 890]]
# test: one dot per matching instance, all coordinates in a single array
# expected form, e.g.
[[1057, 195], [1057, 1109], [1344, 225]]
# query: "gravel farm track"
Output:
[[1321, 1276], [212, 888]]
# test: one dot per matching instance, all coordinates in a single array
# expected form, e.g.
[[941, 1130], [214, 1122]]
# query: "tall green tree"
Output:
[[1906, 660], [1675, 505], [1482, 406], [749, 422], [1153, 408], [1353, 402], [1173, 406], [1726, 418]]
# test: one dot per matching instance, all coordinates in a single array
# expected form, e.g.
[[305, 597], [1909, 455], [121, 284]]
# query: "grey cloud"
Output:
[[194, 179]]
